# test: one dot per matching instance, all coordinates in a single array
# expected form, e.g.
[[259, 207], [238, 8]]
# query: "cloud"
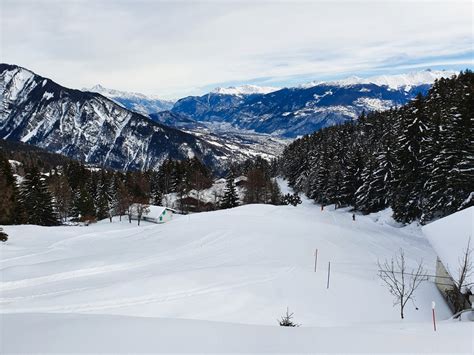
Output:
[[175, 48]]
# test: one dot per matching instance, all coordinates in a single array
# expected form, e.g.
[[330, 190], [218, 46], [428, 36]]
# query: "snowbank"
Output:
[[63, 333]]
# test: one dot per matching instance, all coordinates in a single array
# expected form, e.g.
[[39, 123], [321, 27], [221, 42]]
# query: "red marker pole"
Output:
[[433, 304]]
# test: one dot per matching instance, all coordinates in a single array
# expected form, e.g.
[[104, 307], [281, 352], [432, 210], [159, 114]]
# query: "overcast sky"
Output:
[[177, 48]]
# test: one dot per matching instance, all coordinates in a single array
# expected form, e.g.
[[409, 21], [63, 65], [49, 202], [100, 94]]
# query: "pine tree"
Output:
[[112, 197], [373, 194], [407, 188], [101, 198], [156, 192], [230, 198], [9, 206], [37, 199], [83, 204]]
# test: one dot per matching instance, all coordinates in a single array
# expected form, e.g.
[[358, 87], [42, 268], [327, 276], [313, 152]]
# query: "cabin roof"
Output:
[[156, 211], [449, 237]]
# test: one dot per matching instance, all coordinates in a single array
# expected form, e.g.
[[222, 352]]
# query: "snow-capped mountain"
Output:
[[290, 112], [397, 81], [144, 104], [89, 127], [245, 90]]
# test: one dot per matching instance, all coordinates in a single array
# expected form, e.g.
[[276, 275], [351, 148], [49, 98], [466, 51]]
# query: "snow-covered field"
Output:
[[218, 282]]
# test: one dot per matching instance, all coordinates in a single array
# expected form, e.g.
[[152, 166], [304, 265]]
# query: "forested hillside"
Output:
[[417, 159], [39, 187]]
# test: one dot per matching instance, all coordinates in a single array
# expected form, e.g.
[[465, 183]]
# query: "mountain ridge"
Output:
[[88, 126], [134, 101]]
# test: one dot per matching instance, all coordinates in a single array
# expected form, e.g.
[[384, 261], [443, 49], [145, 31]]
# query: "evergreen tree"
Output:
[[37, 199], [101, 198], [407, 191], [230, 198], [9, 207], [62, 193], [112, 197], [417, 159], [156, 192]]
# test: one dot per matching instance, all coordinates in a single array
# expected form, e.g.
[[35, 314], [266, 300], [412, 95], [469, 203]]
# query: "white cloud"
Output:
[[176, 48]]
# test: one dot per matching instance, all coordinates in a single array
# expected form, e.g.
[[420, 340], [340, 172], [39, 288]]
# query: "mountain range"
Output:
[[89, 127], [134, 131], [292, 112], [140, 103]]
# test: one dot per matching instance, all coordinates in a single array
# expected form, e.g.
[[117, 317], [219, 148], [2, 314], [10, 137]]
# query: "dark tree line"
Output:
[[260, 185], [418, 159], [73, 191]]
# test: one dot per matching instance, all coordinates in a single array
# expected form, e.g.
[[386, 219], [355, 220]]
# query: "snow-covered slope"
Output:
[[244, 265], [144, 104], [92, 334]]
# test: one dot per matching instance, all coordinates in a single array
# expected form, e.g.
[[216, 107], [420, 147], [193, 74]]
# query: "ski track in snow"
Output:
[[243, 265]]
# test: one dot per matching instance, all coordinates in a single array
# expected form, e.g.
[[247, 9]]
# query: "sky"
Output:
[[179, 48]]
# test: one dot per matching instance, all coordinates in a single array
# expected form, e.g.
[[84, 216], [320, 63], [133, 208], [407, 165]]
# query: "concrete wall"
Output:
[[445, 282]]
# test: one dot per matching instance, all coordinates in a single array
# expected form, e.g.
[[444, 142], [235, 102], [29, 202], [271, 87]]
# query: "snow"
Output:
[[217, 282], [209, 195], [449, 237], [143, 104], [245, 90], [80, 333], [111, 93], [154, 211], [14, 163], [374, 104], [48, 95], [21, 78], [394, 82]]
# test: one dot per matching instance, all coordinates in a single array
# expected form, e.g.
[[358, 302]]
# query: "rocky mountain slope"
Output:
[[89, 127]]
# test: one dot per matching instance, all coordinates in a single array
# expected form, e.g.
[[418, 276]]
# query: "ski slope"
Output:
[[218, 281]]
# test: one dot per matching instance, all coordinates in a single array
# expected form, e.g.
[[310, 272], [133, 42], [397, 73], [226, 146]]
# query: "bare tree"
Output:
[[461, 284], [124, 200], [400, 282], [140, 209]]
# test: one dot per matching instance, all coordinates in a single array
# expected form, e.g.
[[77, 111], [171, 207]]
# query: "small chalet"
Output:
[[449, 237], [154, 214]]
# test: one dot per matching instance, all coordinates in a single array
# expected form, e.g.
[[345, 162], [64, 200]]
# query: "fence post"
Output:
[[315, 259], [434, 317], [329, 272]]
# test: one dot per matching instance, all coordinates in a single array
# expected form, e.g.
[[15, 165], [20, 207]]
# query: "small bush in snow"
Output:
[[291, 199], [286, 320], [3, 236]]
